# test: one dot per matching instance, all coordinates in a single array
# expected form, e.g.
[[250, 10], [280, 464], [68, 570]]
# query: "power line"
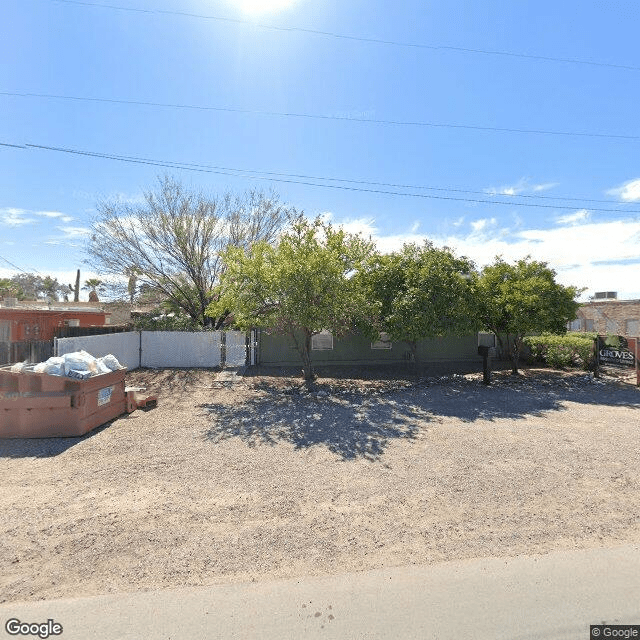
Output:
[[16, 146], [367, 182], [15, 266], [255, 175], [317, 116], [342, 36]]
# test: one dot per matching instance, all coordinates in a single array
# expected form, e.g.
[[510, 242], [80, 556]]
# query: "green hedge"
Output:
[[562, 352]]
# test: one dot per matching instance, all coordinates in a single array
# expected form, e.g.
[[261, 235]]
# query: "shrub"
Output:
[[562, 351]]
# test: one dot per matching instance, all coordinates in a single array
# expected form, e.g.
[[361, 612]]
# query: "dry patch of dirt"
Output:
[[261, 478]]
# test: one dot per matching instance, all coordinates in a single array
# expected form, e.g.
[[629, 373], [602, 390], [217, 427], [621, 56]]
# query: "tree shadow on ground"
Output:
[[355, 424]]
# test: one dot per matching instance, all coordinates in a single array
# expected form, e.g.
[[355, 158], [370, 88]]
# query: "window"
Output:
[[383, 343], [632, 328], [612, 327], [589, 324], [5, 330], [322, 341], [575, 325]]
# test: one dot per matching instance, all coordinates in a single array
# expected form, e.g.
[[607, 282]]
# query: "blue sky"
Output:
[[47, 198]]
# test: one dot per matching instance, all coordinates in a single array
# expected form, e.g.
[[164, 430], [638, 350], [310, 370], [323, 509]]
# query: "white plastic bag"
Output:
[[54, 366], [111, 362], [79, 361], [18, 367], [102, 367]]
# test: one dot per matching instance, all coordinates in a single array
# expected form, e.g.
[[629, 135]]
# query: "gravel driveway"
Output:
[[260, 480]]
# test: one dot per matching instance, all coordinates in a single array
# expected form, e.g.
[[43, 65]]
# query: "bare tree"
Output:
[[173, 241]]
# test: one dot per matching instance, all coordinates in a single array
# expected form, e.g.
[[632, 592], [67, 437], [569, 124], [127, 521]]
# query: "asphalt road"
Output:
[[551, 597]]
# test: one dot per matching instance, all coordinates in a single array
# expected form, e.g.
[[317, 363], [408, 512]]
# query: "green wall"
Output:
[[278, 350]]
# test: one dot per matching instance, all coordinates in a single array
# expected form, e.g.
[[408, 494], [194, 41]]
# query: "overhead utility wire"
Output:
[[352, 181], [317, 116], [258, 176], [15, 266], [342, 36]]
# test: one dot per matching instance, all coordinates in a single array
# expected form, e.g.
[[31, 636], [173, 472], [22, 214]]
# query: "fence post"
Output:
[[223, 348], [596, 366], [139, 349]]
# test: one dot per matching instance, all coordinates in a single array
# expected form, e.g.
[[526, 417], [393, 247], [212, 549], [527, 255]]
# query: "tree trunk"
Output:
[[500, 343], [515, 356], [131, 288], [219, 321], [305, 354]]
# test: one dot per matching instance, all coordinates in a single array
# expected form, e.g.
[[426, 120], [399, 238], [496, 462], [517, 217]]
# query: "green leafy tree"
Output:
[[423, 292], [34, 286], [303, 285], [10, 289], [50, 288], [521, 298]]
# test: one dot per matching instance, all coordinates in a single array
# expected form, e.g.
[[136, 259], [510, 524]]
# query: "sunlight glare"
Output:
[[258, 7]]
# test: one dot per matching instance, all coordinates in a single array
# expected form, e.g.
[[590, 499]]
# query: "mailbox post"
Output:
[[485, 352]]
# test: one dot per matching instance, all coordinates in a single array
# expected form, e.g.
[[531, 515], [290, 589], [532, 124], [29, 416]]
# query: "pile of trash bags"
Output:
[[79, 365]]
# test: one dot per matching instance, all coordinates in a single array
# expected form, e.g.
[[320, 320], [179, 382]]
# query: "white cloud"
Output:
[[601, 256], [544, 186], [628, 192], [364, 226], [574, 218], [577, 253], [523, 185], [54, 214], [74, 232], [14, 217], [482, 224]]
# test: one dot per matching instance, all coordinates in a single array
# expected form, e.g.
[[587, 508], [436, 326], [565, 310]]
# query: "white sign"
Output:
[[104, 395]]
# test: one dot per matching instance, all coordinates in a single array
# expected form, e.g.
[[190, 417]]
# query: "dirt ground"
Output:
[[261, 479]]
